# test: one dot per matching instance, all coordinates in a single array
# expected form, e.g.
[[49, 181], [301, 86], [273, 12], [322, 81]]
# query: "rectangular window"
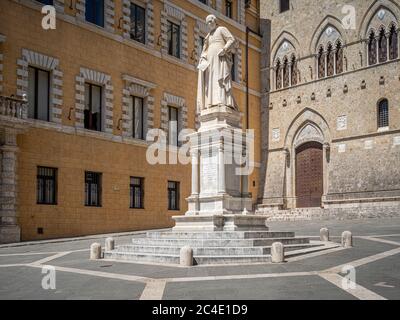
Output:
[[137, 193], [203, 1], [46, 2], [38, 94], [284, 5], [92, 189], [137, 110], [173, 195], [174, 39], [46, 185], [228, 9], [383, 114], [94, 12], [173, 117], [93, 106], [138, 23]]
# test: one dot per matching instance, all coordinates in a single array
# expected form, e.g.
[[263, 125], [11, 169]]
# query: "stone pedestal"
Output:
[[219, 152]]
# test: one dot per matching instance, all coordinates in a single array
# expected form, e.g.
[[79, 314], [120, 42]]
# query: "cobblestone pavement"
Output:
[[375, 259]]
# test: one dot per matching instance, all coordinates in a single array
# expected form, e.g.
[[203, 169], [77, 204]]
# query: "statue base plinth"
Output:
[[227, 222], [219, 117]]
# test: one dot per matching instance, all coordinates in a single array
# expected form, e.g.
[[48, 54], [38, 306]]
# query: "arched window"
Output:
[[286, 71], [393, 44], [382, 46], [330, 61], [383, 113], [339, 58], [321, 63], [278, 75], [372, 49], [293, 71]]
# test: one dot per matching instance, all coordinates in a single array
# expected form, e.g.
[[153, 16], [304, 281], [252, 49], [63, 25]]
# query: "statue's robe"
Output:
[[215, 82]]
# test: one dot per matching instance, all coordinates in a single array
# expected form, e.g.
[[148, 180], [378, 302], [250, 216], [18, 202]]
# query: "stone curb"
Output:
[[60, 240]]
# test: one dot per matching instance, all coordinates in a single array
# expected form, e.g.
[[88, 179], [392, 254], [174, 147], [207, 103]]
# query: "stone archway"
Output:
[[308, 127], [309, 175]]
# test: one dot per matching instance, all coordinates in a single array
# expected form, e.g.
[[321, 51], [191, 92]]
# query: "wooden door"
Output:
[[309, 175]]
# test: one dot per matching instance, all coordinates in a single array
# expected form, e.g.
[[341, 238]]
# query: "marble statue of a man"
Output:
[[215, 81]]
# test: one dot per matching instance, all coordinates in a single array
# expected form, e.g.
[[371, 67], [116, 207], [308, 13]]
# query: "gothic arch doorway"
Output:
[[309, 175]]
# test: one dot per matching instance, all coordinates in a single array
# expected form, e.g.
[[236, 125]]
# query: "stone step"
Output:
[[220, 235], [174, 259], [218, 242], [209, 251]]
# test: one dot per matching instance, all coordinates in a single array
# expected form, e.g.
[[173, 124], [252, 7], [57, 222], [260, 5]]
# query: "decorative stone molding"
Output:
[[34, 59], [142, 89], [109, 13], [218, 5], [174, 101], [239, 58], [241, 12], [200, 30], [341, 123], [286, 49], [276, 135], [126, 11], [59, 5], [101, 79], [383, 18], [177, 16], [330, 35], [2, 39], [308, 133]]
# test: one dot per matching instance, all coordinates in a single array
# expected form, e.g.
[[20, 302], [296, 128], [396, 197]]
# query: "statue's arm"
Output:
[[229, 39]]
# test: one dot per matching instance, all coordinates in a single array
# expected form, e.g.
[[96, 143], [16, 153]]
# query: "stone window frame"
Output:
[[58, 5], [375, 26], [334, 40], [286, 51], [200, 30], [142, 89], [109, 14], [101, 79], [240, 10], [48, 63], [173, 14], [177, 102], [149, 14], [2, 40]]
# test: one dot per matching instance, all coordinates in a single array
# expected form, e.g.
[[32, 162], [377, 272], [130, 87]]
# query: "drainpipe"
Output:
[[248, 31]]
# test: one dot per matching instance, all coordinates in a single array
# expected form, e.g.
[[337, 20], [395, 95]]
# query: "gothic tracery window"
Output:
[[286, 71], [330, 61], [321, 63], [278, 77], [293, 71], [393, 44], [372, 59], [339, 58], [382, 46]]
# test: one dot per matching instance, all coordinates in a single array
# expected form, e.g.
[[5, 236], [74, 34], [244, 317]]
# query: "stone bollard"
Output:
[[347, 239], [110, 244], [277, 252], [95, 251], [324, 234], [186, 257]]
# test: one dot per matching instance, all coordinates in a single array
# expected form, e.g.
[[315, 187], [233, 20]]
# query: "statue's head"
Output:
[[211, 22]]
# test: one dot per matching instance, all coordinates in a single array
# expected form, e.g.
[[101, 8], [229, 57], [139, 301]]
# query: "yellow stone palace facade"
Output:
[[77, 101]]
